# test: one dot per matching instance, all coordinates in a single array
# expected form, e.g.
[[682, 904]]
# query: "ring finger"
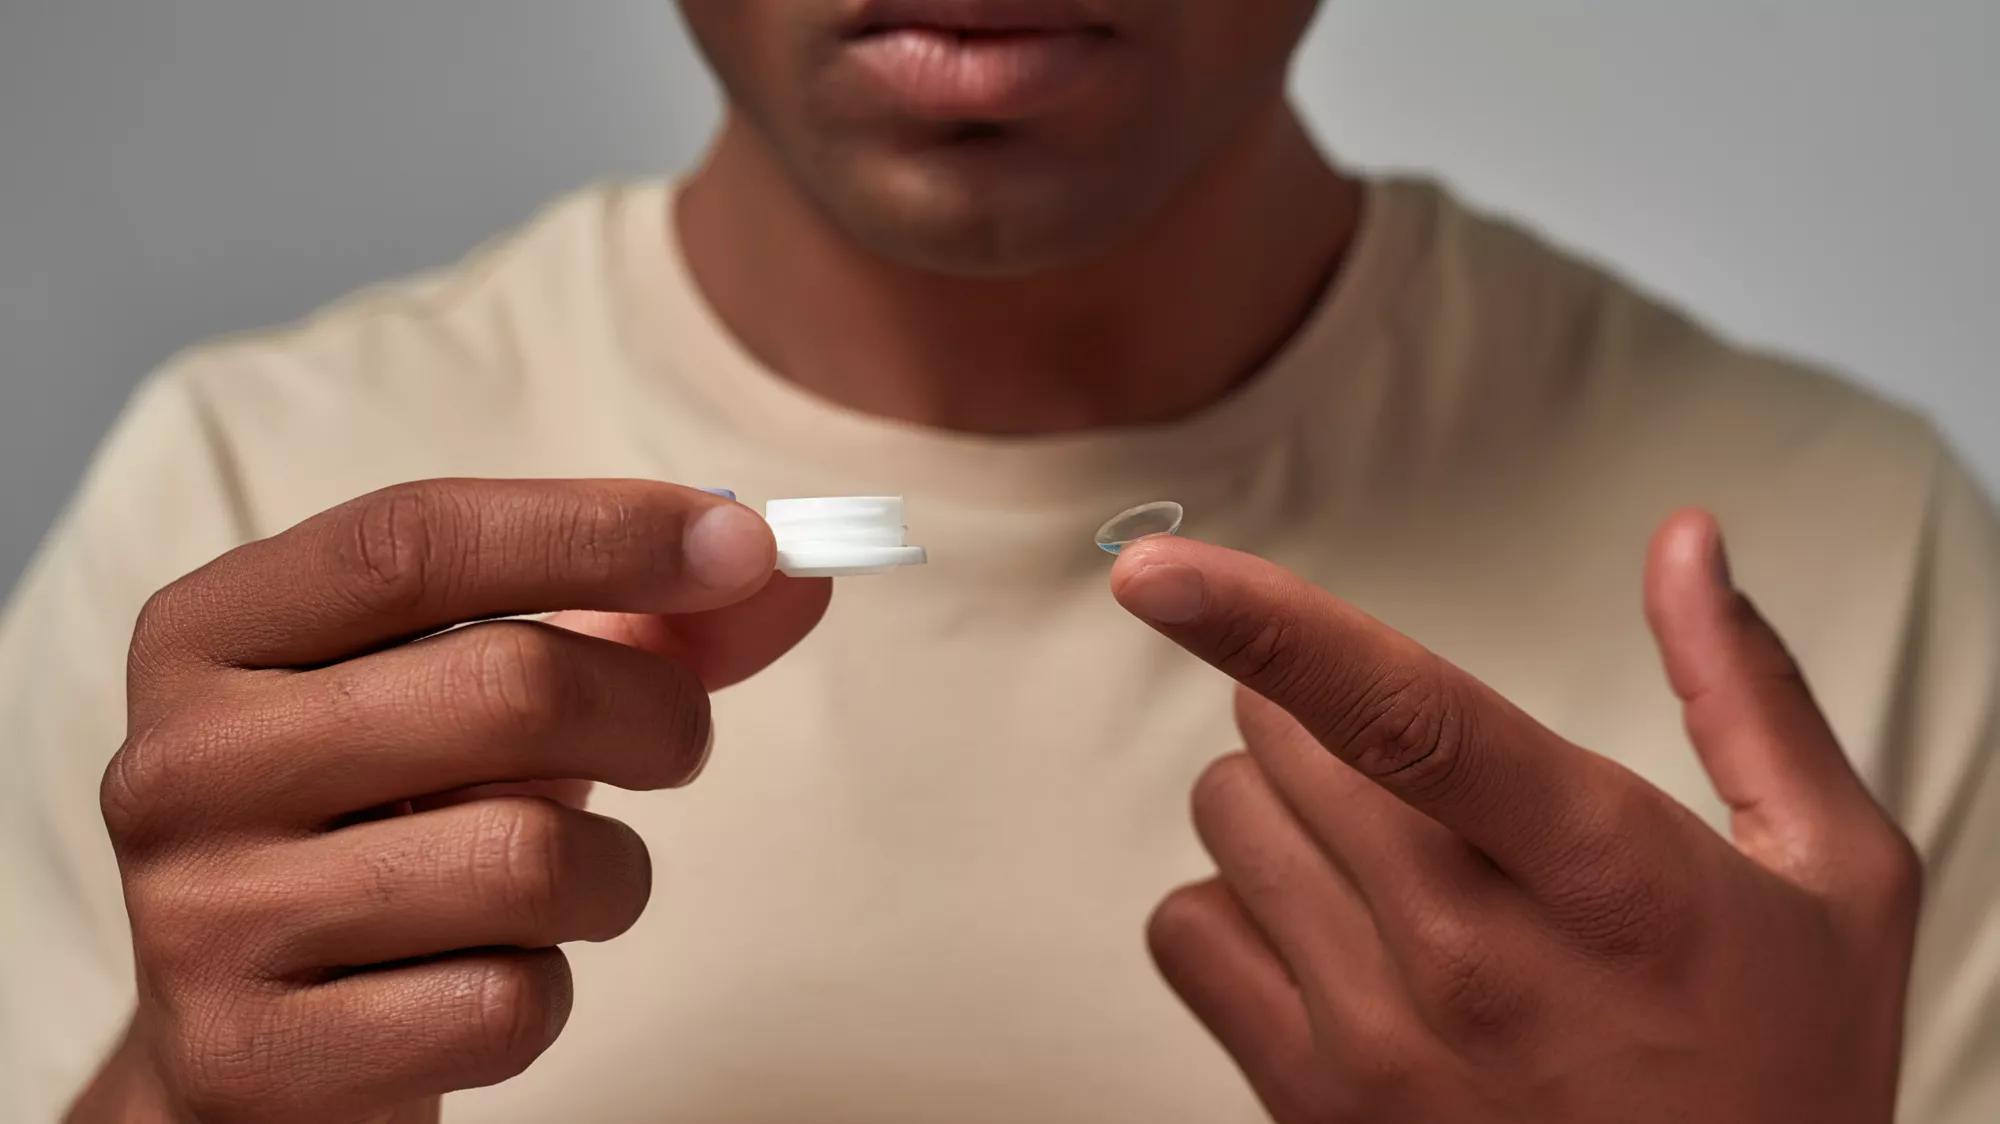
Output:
[[1308, 910], [502, 872]]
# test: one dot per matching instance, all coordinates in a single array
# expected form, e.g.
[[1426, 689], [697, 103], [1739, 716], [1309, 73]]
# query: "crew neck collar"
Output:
[[685, 352]]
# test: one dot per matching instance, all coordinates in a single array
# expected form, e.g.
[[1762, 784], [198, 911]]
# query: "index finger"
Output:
[[1427, 732], [417, 558]]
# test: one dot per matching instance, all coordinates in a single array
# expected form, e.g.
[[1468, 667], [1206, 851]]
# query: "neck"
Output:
[[1156, 330]]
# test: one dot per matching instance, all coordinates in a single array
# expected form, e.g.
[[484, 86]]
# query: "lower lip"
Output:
[[986, 78]]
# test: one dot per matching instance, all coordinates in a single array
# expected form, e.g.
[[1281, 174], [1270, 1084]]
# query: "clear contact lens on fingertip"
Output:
[[1161, 517]]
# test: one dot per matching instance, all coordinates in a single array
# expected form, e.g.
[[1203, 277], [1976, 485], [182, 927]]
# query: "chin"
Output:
[[985, 213]]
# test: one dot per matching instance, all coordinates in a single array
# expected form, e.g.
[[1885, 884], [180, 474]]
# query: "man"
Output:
[[1026, 261]]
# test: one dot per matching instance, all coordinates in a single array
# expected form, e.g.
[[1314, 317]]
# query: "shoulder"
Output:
[[438, 374], [550, 271], [1584, 409], [1543, 330]]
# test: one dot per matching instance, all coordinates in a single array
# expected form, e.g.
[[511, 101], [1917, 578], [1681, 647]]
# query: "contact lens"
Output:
[[1127, 527]]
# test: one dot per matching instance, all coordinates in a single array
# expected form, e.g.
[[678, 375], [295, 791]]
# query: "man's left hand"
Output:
[[1431, 907]]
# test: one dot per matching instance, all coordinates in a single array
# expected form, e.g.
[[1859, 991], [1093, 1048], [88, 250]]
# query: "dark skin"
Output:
[[349, 853], [1429, 907], [352, 844], [1126, 255]]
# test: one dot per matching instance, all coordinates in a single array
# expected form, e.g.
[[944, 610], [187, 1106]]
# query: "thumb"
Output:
[[1762, 739], [724, 646]]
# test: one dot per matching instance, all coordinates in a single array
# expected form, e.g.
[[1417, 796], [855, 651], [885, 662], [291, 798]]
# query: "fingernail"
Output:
[[1167, 594], [726, 547], [723, 492]]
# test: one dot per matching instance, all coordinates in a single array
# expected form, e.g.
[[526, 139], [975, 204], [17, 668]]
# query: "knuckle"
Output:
[[231, 1059], [1444, 934], [159, 942], [399, 542], [149, 776], [513, 677], [1384, 1074], [1617, 904], [124, 791], [1472, 995], [1634, 917], [157, 629], [169, 937], [598, 527], [206, 922], [1479, 1004], [1621, 918], [1408, 727], [517, 859], [1263, 652], [516, 1007]]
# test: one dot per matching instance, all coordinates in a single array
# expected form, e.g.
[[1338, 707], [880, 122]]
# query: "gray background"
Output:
[[1812, 174]]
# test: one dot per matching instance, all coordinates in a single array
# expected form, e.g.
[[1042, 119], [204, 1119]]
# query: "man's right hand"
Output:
[[334, 912]]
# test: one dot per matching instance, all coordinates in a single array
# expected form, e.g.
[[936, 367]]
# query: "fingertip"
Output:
[[1691, 538], [1686, 564], [1161, 592], [729, 549], [1761, 737], [1142, 554], [1166, 580]]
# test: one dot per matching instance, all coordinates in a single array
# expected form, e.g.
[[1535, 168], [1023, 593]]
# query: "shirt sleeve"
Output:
[[158, 501], [1947, 797]]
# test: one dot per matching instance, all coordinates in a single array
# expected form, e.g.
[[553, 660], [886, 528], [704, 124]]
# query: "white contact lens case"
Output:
[[841, 536]]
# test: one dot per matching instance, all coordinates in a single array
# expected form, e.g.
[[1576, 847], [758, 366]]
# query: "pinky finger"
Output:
[[436, 1026], [1220, 965]]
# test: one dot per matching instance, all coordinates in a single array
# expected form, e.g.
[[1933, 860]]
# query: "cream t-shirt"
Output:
[[911, 885]]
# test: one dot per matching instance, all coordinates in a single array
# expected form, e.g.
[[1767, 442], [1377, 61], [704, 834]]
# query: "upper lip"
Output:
[[976, 17]]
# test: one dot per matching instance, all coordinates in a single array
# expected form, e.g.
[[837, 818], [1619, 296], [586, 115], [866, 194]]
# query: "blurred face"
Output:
[[997, 137]]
